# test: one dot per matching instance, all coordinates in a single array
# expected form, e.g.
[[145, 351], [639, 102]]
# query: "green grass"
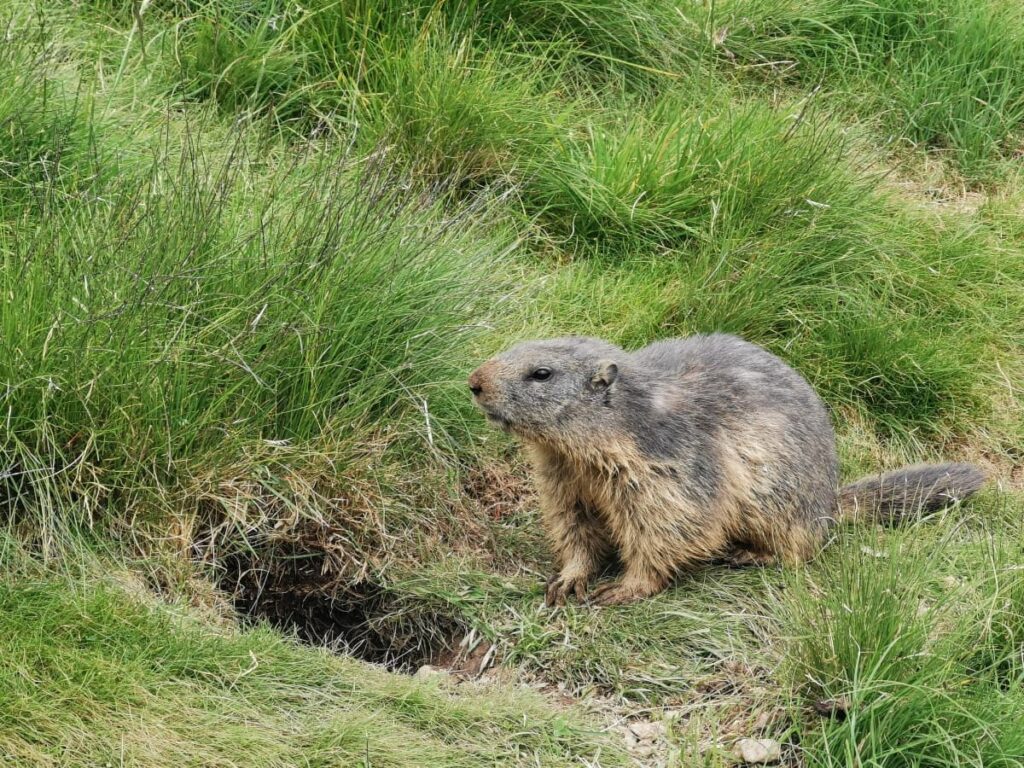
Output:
[[250, 250], [934, 677], [227, 316], [942, 75], [96, 670]]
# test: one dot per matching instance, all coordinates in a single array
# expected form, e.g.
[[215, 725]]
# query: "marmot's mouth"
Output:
[[496, 419]]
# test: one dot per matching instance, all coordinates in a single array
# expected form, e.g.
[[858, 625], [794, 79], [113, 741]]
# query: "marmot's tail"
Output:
[[923, 487]]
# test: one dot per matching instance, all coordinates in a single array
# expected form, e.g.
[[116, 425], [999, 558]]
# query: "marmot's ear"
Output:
[[605, 375]]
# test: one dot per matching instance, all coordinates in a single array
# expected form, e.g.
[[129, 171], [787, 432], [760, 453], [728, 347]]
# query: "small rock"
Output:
[[751, 751], [642, 750], [430, 672], [646, 731], [645, 739]]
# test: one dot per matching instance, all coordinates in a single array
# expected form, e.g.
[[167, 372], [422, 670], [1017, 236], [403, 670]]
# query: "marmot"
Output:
[[685, 451]]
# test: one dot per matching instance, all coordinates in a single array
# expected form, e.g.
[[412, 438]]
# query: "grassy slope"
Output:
[[97, 671], [245, 272]]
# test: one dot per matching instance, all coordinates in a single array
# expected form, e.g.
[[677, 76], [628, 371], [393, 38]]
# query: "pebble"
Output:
[[756, 751], [645, 739], [430, 672]]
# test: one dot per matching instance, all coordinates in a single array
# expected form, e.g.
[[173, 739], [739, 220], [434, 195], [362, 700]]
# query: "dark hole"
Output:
[[295, 593]]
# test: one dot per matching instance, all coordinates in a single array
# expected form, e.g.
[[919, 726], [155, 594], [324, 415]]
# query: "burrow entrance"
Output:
[[304, 582], [295, 592]]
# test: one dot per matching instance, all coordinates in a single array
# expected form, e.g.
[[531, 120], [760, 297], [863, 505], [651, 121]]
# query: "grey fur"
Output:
[[923, 488], [683, 451]]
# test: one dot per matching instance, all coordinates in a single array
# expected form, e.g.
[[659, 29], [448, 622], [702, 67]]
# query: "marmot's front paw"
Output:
[[623, 591], [563, 584]]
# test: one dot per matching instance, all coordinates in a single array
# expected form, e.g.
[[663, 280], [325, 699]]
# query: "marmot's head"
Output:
[[558, 389]]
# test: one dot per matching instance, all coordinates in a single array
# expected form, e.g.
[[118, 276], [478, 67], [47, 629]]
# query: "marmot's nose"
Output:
[[476, 382]]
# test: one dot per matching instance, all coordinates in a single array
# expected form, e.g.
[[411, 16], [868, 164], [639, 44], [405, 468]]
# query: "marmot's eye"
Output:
[[541, 374]]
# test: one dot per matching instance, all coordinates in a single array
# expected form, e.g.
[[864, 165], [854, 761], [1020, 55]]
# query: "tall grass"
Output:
[[205, 313], [686, 169], [899, 659], [330, 58], [945, 75]]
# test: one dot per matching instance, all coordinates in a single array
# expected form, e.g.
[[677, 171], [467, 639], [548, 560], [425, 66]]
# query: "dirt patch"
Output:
[[933, 184], [469, 658], [316, 575]]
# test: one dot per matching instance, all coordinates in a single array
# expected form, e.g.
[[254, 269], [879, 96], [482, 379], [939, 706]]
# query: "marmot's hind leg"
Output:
[[790, 544], [743, 558]]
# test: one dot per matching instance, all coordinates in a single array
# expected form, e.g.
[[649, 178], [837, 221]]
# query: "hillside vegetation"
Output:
[[250, 250]]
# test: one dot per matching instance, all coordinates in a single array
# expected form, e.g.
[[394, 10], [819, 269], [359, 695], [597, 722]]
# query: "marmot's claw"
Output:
[[581, 590], [615, 593], [551, 591], [559, 588]]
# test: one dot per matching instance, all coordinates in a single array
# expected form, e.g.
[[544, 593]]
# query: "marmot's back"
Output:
[[748, 375], [773, 442]]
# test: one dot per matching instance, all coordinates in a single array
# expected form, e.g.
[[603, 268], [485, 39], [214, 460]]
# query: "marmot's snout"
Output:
[[481, 384], [478, 380], [487, 395]]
